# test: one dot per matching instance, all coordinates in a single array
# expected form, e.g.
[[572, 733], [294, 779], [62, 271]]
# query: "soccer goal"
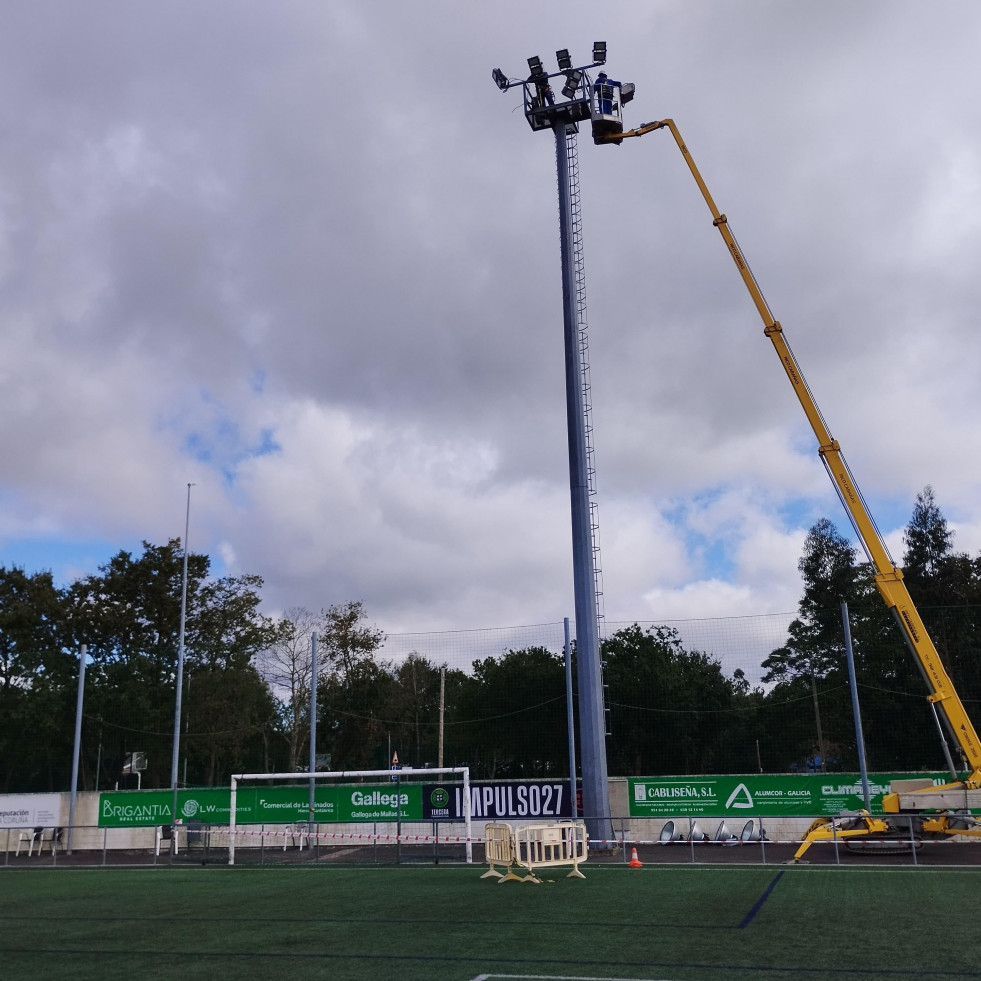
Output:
[[350, 800]]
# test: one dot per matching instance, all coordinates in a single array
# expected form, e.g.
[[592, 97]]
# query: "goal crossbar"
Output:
[[339, 775]]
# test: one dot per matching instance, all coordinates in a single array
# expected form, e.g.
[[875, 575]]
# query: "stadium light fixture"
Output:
[[562, 57], [599, 52], [500, 79], [562, 117], [572, 84]]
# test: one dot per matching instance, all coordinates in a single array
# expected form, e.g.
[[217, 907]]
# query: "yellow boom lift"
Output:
[[928, 811]]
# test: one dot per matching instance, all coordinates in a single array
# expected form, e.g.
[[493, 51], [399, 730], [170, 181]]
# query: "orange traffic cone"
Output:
[[635, 862]]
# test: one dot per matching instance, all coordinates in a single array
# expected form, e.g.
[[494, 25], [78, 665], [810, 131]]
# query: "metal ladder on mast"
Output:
[[579, 287]]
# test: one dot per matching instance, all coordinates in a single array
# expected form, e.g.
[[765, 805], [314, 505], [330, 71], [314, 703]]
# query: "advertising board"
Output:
[[30, 810], [812, 795], [262, 805], [499, 801]]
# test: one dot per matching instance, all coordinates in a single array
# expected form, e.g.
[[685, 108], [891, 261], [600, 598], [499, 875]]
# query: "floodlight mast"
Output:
[[544, 111]]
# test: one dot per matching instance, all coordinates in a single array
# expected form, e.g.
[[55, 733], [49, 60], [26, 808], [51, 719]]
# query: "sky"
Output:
[[304, 256]]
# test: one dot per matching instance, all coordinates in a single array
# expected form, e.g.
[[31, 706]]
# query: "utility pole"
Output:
[[314, 675], [442, 712]]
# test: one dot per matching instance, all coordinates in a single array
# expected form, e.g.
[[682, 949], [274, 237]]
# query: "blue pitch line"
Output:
[[758, 905]]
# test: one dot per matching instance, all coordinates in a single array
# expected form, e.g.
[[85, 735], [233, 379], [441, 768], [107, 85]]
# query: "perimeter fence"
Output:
[[682, 840], [759, 693]]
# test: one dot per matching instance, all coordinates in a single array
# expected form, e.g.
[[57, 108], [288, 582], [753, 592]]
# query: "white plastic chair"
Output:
[[164, 833], [30, 837], [293, 835]]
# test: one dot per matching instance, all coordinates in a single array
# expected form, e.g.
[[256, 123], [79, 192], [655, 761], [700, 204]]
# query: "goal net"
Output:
[[393, 807]]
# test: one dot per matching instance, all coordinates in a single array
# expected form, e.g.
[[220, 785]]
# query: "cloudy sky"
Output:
[[304, 254]]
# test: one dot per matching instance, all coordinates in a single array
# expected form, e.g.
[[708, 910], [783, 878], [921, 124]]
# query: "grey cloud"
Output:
[[336, 199]]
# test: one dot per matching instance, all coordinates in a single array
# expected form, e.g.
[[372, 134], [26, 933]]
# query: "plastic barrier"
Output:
[[535, 846], [499, 849]]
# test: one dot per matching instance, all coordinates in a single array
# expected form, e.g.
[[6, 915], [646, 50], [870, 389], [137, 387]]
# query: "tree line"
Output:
[[248, 679]]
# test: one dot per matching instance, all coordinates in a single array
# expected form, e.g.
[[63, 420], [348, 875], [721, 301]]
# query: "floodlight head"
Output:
[[723, 833], [599, 52], [562, 57], [500, 79], [535, 64], [572, 84], [626, 92]]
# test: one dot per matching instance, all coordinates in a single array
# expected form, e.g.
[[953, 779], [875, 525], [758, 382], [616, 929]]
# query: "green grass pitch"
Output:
[[345, 923]]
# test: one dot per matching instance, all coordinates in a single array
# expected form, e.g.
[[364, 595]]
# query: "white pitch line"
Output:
[[560, 977]]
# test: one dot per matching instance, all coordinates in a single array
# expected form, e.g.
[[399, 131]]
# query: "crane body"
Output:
[[934, 811]]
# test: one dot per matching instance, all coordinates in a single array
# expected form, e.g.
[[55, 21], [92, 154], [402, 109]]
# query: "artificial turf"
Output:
[[706, 923]]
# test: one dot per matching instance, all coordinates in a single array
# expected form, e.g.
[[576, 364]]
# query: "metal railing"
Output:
[[703, 839]]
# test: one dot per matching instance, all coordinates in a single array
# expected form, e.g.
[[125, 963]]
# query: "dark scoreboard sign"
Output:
[[522, 800]]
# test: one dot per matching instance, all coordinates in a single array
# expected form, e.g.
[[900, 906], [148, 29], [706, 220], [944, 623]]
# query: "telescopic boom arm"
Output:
[[888, 577]]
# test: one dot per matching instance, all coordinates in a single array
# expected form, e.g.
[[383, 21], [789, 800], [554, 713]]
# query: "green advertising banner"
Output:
[[262, 805], [813, 795]]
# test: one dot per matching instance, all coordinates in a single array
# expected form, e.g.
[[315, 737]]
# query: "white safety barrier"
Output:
[[499, 849], [534, 846]]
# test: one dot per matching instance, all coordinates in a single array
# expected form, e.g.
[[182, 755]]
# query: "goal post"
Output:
[[338, 777]]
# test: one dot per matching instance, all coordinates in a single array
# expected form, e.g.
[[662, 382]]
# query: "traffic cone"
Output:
[[635, 862]]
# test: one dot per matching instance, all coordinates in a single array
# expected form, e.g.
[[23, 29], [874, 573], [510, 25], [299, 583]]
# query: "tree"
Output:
[[129, 615], [418, 708], [37, 683], [815, 648], [357, 712], [513, 716], [358, 694], [287, 665], [347, 638], [946, 587], [669, 706], [899, 729], [231, 718], [928, 539]]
